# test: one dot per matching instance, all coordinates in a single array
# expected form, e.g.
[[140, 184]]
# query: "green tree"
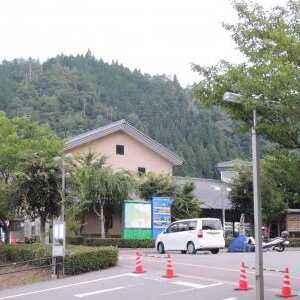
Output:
[[6, 209], [282, 168], [99, 187], [268, 80], [20, 141], [185, 205], [38, 192], [151, 185], [273, 205]]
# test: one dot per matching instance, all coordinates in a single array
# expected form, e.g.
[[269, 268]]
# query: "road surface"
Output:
[[201, 276]]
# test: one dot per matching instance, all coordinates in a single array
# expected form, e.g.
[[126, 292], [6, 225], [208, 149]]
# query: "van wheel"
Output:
[[191, 248], [161, 248], [215, 251]]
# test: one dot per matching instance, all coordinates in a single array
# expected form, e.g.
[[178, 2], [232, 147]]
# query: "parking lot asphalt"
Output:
[[200, 276]]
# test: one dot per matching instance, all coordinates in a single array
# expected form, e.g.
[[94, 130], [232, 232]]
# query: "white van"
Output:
[[189, 236]]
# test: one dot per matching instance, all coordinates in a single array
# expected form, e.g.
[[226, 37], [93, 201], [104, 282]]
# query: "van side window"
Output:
[[192, 225], [183, 226], [172, 228], [211, 225]]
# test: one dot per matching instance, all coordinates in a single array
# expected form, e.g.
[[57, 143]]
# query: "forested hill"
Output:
[[74, 94]]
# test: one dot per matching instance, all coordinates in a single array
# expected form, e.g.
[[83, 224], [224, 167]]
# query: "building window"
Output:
[[141, 170], [120, 149]]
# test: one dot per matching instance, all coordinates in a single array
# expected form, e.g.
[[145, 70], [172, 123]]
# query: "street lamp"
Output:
[[259, 277]]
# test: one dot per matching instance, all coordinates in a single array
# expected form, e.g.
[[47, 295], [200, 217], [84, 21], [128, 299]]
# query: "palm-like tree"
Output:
[[99, 186]]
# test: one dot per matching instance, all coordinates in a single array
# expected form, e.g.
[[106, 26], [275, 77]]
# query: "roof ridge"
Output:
[[122, 124]]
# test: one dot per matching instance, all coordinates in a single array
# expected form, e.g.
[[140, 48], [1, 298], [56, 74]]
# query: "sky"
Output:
[[154, 36]]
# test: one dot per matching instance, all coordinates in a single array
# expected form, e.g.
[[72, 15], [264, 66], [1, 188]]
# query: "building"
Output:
[[229, 169], [214, 197], [127, 148]]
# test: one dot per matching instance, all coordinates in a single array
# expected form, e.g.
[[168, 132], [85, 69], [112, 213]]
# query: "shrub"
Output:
[[294, 242], [24, 252], [120, 243], [82, 259]]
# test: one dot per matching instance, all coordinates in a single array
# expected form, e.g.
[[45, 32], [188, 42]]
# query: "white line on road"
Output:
[[64, 286], [192, 287], [230, 299], [101, 291], [196, 285]]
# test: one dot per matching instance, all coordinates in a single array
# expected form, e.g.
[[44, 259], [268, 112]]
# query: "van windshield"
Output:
[[211, 225]]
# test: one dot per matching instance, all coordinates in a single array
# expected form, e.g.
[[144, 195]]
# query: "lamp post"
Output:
[[259, 277]]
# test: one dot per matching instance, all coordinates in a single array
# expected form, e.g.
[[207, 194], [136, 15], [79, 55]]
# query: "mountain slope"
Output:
[[74, 94]]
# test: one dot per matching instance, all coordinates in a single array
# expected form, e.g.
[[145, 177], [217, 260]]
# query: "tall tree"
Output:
[[151, 185], [99, 187], [269, 79], [20, 141], [185, 205], [273, 205], [38, 192]]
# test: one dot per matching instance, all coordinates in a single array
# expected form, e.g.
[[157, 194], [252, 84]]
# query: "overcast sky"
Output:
[[155, 36]]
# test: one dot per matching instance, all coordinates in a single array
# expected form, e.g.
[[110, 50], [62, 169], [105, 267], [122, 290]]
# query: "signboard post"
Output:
[[58, 247], [161, 215]]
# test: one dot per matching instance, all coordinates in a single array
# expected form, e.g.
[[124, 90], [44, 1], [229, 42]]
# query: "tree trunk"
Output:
[[42, 230], [101, 218], [6, 233], [102, 222], [278, 229]]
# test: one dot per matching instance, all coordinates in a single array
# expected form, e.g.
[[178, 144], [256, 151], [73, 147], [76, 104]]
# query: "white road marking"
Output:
[[189, 284], [230, 299], [64, 286], [192, 287], [101, 292], [196, 285], [177, 292], [135, 275]]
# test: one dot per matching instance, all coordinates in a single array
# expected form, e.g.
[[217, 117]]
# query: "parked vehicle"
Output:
[[190, 236], [279, 243]]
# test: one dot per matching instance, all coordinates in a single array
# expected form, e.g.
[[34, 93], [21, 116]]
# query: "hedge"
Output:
[[81, 259], [294, 242], [116, 242], [23, 252]]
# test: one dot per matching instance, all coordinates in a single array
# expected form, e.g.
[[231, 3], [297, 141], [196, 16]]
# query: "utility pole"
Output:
[[259, 278]]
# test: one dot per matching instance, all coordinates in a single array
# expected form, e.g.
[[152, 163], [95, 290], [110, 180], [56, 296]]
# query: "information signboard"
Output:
[[137, 215], [161, 214], [58, 238]]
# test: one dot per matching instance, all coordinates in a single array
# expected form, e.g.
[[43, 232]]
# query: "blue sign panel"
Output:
[[161, 215]]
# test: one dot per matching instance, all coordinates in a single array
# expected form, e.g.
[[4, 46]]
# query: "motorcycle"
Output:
[[277, 244]]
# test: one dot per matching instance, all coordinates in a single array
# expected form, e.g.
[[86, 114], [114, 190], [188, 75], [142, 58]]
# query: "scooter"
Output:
[[279, 243]]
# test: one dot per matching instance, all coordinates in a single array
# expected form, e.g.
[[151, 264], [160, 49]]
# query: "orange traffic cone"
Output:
[[138, 264], [243, 282], [286, 290], [170, 270]]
